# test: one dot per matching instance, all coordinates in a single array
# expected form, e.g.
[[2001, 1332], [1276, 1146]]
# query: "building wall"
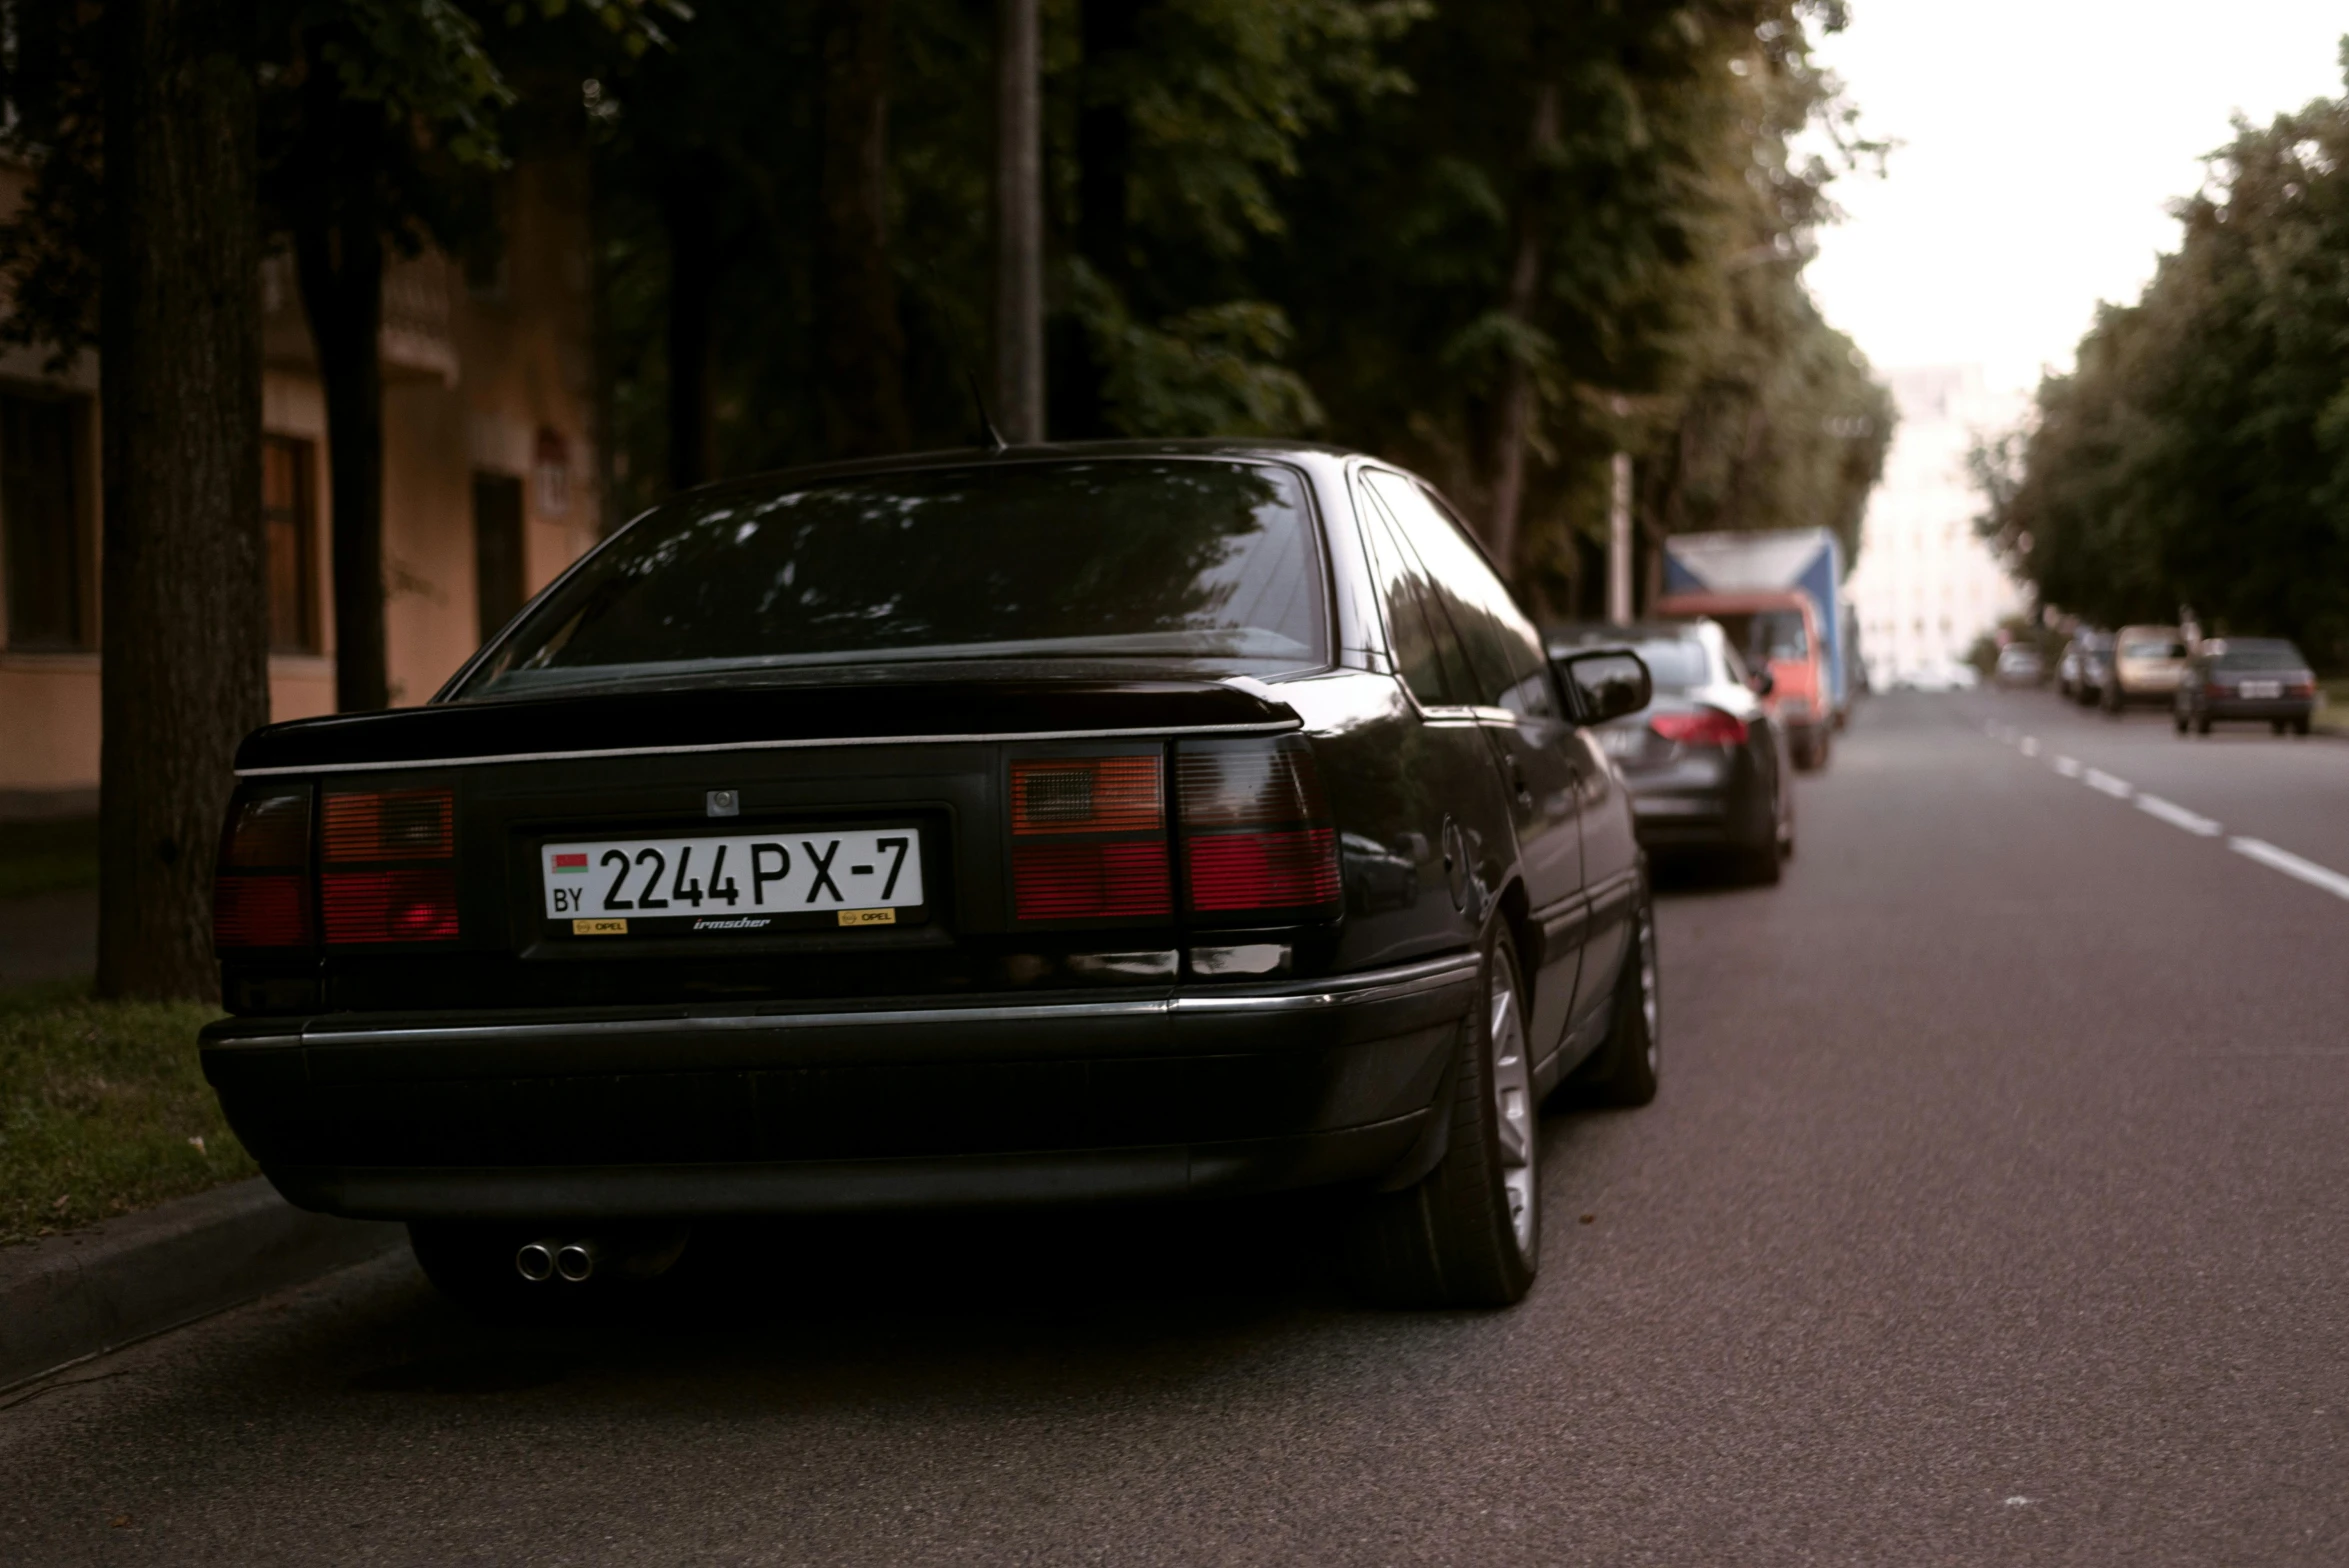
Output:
[[489, 374], [1924, 586]]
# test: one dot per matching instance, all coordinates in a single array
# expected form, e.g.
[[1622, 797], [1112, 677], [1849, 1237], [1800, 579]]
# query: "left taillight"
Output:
[[389, 872], [1257, 835], [1089, 839], [261, 882]]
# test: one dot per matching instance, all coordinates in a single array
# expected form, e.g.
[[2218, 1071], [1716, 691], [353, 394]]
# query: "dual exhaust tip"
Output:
[[547, 1258], [636, 1253]]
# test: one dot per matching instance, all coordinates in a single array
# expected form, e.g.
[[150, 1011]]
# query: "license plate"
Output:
[[742, 882], [2258, 689]]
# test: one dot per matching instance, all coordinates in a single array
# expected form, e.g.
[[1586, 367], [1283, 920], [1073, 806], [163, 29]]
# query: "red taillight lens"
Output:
[[1256, 833], [2214, 688], [1108, 817], [1264, 870], [1090, 881], [401, 824], [2301, 689], [412, 905], [1700, 727], [261, 888], [370, 901]]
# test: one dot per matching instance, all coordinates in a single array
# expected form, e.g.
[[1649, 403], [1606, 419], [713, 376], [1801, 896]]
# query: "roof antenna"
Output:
[[996, 445]]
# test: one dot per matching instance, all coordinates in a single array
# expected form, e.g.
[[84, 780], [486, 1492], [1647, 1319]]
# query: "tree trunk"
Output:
[[1076, 375], [1513, 408], [691, 217], [863, 343], [338, 254], [1019, 220], [185, 631]]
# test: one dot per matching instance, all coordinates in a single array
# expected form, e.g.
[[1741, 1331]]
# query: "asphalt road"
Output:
[[1993, 1211]]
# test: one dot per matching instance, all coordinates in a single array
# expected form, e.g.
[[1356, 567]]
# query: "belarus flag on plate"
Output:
[[571, 865]]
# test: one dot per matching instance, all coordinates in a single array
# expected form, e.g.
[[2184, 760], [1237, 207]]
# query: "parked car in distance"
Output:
[[2253, 679], [1776, 632], [1706, 760], [2018, 665], [2095, 668], [2147, 663], [1109, 822]]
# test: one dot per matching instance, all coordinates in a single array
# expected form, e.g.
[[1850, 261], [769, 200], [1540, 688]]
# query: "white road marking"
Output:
[[2067, 767], [2097, 778], [2292, 865], [2177, 816], [2030, 745]]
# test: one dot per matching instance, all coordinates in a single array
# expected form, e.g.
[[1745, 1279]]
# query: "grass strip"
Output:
[[103, 1109], [43, 857]]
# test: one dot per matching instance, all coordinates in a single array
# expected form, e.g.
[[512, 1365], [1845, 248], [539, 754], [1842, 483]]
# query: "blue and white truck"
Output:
[[1806, 559]]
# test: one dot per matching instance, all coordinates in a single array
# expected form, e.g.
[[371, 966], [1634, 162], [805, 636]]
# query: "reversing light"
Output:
[[1700, 727], [260, 886], [1256, 829], [391, 878]]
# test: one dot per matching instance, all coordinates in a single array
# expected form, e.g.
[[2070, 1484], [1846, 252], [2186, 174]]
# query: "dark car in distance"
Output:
[[1097, 823], [2260, 680], [1707, 760]]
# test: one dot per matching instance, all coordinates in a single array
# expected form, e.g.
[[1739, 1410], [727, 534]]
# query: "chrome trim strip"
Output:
[[1375, 985], [1280, 725]]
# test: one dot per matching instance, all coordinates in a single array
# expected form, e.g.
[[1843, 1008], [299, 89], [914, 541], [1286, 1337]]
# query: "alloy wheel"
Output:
[[1512, 1081]]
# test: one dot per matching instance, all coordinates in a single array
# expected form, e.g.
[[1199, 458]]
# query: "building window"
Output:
[[289, 531], [497, 549], [41, 517]]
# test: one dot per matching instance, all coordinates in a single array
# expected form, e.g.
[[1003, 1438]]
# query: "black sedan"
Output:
[[2261, 680], [1116, 822], [1706, 761]]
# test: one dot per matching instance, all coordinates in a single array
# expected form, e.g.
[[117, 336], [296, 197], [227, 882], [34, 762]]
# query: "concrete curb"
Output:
[[78, 1295]]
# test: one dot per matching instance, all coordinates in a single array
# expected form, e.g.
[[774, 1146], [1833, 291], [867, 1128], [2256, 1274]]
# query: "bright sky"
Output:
[[2043, 139]]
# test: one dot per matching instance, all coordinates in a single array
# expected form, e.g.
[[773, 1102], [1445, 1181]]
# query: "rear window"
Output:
[[2262, 656], [2153, 649], [1767, 634], [1677, 665], [1204, 564]]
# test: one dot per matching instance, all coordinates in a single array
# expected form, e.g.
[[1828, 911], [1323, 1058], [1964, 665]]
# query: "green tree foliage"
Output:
[[2198, 451]]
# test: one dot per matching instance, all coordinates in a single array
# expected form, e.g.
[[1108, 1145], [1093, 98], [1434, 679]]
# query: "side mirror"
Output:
[[1607, 683], [1762, 683]]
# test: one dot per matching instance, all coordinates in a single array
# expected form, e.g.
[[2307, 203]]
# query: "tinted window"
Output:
[[2261, 656], [2169, 648], [1426, 655], [1206, 564], [1505, 658]]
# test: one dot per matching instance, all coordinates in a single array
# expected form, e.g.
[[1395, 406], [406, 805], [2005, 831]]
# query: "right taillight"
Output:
[[261, 884], [1089, 839], [1256, 829], [1700, 727], [390, 872]]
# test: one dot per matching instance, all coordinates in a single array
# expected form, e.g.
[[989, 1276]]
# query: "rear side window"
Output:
[[1207, 565], [1767, 634], [1427, 656], [1505, 663]]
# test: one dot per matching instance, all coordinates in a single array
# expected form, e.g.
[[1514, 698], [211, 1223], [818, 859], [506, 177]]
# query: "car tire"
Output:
[[2178, 720], [1623, 1070], [1468, 1234], [2300, 726], [2202, 725]]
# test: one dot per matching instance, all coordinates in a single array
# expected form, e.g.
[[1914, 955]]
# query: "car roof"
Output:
[[1044, 451], [2225, 645]]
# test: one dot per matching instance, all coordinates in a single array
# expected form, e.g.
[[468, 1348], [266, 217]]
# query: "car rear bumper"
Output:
[[2265, 710], [1708, 800], [705, 1111]]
